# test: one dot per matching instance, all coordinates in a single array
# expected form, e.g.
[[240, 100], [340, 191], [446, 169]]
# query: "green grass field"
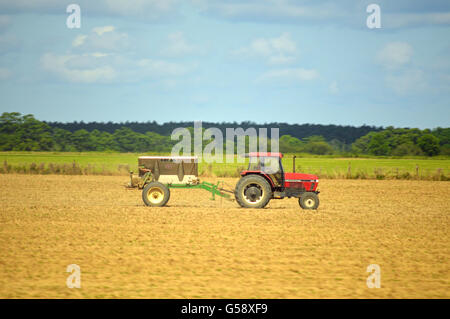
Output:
[[121, 163]]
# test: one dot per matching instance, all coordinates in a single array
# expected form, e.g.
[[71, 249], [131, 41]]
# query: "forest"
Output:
[[26, 133]]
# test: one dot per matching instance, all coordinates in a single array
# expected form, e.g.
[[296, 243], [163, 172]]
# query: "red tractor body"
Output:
[[291, 180], [265, 179]]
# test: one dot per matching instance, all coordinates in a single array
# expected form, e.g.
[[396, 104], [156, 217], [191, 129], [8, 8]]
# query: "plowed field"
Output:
[[198, 248]]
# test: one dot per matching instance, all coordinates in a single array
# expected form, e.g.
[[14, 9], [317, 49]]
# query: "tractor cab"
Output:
[[268, 164], [265, 179]]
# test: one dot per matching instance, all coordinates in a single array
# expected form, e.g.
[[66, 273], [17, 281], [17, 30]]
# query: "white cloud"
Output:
[[4, 74], [79, 40], [99, 54], [97, 57], [395, 54], [60, 66], [410, 81], [102, 39], [108, 68], [101, 30], [401, 77], [334, 89], [293, 74], [278, 50], [178, 45]]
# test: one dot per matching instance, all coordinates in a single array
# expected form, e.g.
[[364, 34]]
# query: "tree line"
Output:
[[345, 134], [403, 141], [25, 133]]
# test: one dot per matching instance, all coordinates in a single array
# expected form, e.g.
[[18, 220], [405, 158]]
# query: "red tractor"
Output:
[[265, 179]]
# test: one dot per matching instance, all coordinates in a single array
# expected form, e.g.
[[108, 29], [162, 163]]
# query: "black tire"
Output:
[[155, 194], [253, 191], [309, 200]]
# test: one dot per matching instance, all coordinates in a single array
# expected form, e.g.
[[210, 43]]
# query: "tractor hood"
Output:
[[299, 177]]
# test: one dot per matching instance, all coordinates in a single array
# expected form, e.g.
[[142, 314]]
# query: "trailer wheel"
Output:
[[253, 191], [309, 200], [155, 194]]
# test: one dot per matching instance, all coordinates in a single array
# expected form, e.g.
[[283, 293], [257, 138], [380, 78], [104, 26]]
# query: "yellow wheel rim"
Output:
[[310, 202], [155, 195]]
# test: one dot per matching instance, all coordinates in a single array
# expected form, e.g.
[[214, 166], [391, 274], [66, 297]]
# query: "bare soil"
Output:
[[198, 248]]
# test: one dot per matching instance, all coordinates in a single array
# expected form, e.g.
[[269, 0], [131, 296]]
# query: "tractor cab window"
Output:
[[268, 165], [254, 164]]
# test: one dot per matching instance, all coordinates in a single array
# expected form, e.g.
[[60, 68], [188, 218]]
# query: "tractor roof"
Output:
[[264, 154]]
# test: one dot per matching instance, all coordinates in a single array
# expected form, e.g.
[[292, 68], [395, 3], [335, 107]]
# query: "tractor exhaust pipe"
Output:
[[293, 164]]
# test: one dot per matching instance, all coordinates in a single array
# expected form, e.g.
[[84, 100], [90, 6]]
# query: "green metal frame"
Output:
[[214, 189], [210, 187]]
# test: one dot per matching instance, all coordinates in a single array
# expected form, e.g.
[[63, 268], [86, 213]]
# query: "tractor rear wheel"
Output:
[[309, 200], [155, 194], [253, 191]]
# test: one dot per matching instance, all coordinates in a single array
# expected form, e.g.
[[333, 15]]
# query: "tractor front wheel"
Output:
[[155, 194], [253, 191], [309, 200]]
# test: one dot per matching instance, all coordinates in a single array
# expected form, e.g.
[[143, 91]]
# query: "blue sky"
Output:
[[263, 61]]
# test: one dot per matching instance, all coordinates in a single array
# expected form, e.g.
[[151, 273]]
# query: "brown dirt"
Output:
[[198, 248]]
